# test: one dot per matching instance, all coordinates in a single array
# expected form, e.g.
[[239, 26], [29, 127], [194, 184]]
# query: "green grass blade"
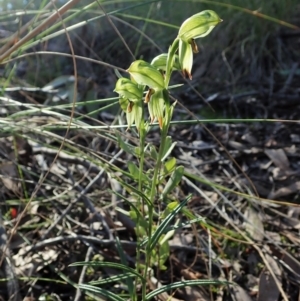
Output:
[[103, 292], [163, 226], [113, 265], [132, 189], [129, 280], [181, 284], [116, 278]]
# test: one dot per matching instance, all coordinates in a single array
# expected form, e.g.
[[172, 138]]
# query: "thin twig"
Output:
[[82, 274]]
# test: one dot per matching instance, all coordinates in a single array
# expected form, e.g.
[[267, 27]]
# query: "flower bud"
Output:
[[198, 25], [127, 89], [146, 74]]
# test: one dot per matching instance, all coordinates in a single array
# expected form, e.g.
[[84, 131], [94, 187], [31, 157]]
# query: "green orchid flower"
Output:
[[156, 107], [128, 89], [146, 74], [131, 100], [160, 62], [197, 26]]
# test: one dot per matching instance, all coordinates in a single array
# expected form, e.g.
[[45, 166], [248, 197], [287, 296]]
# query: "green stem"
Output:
[[172, 50], [164, 132], [141, 205]]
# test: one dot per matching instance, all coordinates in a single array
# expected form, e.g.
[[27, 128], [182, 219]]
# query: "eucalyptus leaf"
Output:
[[253, 224]]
